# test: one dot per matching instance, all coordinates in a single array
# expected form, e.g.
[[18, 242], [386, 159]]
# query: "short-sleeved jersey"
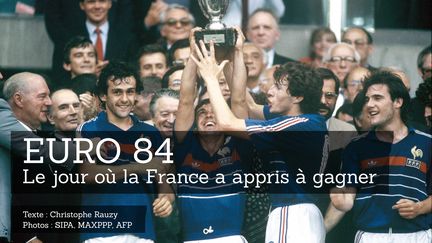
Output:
[[403, 171], [287, 144], [121, 194], [213, 209]]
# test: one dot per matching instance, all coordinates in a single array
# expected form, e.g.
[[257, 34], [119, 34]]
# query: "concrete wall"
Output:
[[24, 43]]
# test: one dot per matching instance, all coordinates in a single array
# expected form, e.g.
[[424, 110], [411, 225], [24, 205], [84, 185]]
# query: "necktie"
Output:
[[99, 46]]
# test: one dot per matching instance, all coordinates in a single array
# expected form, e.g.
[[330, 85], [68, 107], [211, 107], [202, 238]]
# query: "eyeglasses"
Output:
[[176, 82], [179, 62], [330, 95], [338, 59], [173, 22], [357, 43], [355, 83]]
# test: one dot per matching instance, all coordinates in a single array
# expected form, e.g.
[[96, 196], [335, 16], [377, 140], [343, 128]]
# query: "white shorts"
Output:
[[424, 236], [119, 238], [298, 223], [226, 239]]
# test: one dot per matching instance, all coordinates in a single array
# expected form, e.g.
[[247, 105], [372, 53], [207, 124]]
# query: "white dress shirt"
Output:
[[91, 28], [270, 57]]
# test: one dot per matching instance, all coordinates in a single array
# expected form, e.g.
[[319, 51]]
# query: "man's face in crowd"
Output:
[[164, 114], [120, 98], [96, 10], [182, 55], [380, 107], [177, 25], [35, 102], [358, 39], [328, 98], [224, 88], [174, 80], [153, 64], [65, 110], [263, 30], [82, 60], [426, 69], [342, 61], [279, 101], [355, 82], [254, 60]]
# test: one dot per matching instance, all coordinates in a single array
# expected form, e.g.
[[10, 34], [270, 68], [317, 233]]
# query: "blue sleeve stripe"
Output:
[[395, 185], [210, 197], [206, 188], [402, 175], [387, 195], [276, 127]]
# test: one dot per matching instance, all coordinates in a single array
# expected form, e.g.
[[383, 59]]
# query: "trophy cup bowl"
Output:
[[216, 31]]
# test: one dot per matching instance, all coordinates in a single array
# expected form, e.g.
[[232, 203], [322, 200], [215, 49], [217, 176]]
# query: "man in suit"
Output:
[[362, 41], [340, 134], [263, 31], [65, 19], [330, 92], [27, 102], [254, 59]]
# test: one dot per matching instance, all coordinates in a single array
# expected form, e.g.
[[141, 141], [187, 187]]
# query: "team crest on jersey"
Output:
[[413, 163], [416, 152]]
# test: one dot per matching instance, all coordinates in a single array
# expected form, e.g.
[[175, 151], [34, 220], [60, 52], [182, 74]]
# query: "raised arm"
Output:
[[237, 84], [255, 111], [185, 112], [209, 70]]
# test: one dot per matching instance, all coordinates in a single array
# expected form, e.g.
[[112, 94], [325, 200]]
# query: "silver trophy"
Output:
[[214, 10]]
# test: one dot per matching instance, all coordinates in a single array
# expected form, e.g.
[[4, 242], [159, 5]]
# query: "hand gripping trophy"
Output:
[[214, 10]]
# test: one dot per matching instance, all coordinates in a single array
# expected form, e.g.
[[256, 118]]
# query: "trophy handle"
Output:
[[214, 10]]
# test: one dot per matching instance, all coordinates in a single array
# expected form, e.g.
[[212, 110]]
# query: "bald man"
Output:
[[65, 112], [341, 58], [362, 41], [353, 83], [28, 96]]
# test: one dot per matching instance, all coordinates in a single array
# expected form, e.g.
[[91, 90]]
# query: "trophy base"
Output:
[[222, 38]]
